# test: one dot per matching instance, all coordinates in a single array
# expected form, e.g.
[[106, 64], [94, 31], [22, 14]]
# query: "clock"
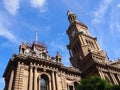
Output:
[[73, 33], [27, 51]]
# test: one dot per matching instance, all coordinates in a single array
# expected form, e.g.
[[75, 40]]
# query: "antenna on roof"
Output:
[[69, 12], [36, 36]]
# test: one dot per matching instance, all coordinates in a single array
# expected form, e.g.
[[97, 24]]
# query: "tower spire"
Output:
[[71, 17], [36, 36]]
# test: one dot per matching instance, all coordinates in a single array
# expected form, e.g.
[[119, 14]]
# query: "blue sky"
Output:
[[19, 20]]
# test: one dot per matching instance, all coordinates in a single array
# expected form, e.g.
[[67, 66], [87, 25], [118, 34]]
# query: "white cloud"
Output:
[[4, 32], [65, 58], [11, 6], [1, 80], [100, 12], [118, 5], [8, 35], [56, 46], [115, 20], [1, 83], [40, 4], [115, 26], [59, 46]]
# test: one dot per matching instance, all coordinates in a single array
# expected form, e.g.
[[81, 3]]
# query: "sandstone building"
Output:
[[86, 54], [34, 69]]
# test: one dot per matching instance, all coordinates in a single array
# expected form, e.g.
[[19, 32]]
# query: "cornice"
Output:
[[30, 59]]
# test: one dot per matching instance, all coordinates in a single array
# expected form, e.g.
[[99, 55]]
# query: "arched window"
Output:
[[44, 56], [23, 50], [75, 85], [44, 82], [87, 42]]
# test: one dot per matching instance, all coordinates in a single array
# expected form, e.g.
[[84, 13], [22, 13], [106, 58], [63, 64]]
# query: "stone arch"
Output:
[[44, 56], [22, 49], [47, 77], [44, 73], [75, 85]]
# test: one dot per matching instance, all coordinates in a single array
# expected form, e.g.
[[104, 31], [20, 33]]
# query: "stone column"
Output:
[[11, 80], [30, 78], [39, 83], [73, 87], [118, 78], [56, 76], [114, 79], [102, 74], [35, 79], [53, 81], [50, 84]]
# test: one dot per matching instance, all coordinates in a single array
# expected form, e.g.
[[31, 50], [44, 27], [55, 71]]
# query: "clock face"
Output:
[[27, 51], [73, 33]]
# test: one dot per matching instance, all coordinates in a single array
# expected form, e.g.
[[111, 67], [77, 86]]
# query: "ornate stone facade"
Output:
[[86, 55], [34, 69]]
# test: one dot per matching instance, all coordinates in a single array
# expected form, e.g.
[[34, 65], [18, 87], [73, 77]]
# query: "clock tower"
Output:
[[81, 43]]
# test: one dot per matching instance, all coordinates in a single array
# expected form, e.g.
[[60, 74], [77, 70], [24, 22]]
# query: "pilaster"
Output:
[[19, 77], [35, 79], [50, 85], [11, 80], [56, 76], [118, 78], [53, 81], [102, 74], [16, 78], [39, 82], [30, 77], [114, 79]]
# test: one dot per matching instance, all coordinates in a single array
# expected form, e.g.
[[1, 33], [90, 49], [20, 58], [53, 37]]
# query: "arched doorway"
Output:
[[44, 82], [75, 85]]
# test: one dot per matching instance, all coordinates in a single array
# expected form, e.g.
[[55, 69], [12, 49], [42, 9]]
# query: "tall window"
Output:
[[70, 88], [44, 83]]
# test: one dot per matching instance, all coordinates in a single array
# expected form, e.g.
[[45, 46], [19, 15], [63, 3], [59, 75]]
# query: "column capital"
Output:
[[35, 67]]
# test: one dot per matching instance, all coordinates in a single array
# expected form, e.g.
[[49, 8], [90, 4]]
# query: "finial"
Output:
[[58, 57], [57, 53], [69, 12], [36, 36]]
